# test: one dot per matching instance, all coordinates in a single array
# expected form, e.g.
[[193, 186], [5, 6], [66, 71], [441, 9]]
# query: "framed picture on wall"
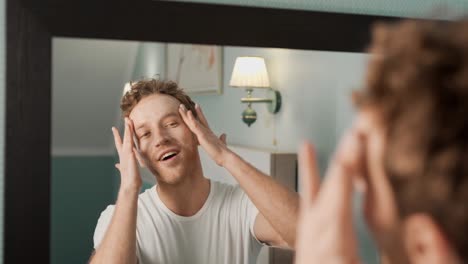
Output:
[[196, 68]]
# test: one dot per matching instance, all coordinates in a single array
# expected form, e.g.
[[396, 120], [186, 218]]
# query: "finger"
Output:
[[337, 188], [223, 138], [134, 137], [135, 140], [197, 125], [139, 158], [188, 121], [201, 116], [364, 126], [117, 165], [336, 192], [309, 173], [354, 159], [184, 114], [193, 123], [117, 139], [362, 174], [127, 141]]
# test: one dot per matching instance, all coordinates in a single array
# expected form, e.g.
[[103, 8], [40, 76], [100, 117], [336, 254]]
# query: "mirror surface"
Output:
[[89, 76]]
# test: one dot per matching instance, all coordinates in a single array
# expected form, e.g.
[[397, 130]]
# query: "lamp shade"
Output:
[[250, 72]]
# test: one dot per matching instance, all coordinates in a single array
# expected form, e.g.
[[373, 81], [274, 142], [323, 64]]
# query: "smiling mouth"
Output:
[[169, 156]]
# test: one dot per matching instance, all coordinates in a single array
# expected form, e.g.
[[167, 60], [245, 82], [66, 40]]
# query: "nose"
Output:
[[160, 139]]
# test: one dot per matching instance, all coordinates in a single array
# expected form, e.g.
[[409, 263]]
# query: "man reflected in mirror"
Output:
[[186, 217]]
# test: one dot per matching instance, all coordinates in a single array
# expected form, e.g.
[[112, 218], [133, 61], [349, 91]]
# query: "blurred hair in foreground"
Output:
[[417, 81]]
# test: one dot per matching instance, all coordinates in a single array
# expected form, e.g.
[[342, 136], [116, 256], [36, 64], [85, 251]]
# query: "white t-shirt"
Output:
[[220, 232]]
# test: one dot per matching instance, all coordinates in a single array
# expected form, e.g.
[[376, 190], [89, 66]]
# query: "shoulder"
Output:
[[225, 190], [147, 195], [106, 213], [102, 224], [143, 198], [229, 195], [222, 186]]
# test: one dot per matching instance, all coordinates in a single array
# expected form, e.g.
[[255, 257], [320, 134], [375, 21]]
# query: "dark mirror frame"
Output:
[[30, 26]]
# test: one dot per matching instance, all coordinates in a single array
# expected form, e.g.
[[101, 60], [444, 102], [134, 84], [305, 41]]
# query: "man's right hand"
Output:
[[326, 209], [130, 179]]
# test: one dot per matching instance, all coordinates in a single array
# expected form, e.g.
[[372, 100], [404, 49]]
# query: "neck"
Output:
[[187, 197]]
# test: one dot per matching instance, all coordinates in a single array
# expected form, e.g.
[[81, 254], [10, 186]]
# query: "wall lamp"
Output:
[[250, 73]]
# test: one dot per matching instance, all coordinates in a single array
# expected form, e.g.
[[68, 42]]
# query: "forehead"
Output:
[[154, 107]]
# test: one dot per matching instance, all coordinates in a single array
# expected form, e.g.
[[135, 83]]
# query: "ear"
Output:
[[425, 242]]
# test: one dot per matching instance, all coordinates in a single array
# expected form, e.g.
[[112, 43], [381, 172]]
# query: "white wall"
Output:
[[315, 88], [88, 76]]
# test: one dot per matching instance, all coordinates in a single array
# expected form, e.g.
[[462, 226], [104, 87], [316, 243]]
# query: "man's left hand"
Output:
[[214, 146]]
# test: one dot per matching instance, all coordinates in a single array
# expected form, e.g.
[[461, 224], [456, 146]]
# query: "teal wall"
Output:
[[82, 187]]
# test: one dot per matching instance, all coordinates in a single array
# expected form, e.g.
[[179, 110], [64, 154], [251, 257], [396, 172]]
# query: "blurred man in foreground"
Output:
[[407, 151]]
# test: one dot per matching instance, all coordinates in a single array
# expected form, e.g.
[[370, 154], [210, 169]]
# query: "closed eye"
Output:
[[145, 135], [172, 124]]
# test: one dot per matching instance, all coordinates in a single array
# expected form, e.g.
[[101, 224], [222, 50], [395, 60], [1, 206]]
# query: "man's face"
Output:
[[167, 146]]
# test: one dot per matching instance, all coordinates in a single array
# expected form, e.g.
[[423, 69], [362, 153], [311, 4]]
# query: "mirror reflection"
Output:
[[210, 188]]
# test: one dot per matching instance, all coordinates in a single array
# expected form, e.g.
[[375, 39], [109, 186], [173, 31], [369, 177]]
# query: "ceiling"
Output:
[[88, 76]]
